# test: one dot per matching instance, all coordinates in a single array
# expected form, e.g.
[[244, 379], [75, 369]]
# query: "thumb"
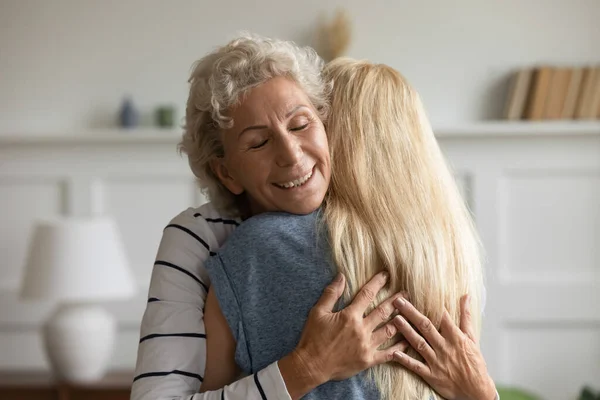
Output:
[[466, 322], [332, 293]]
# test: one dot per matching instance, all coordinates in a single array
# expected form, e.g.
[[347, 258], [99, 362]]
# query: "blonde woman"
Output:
[[392, 206]]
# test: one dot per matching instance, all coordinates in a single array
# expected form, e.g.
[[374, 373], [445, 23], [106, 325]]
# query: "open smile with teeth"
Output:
[[297, 183]]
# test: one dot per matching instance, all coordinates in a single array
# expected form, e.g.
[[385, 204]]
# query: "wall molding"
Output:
[[149, 136]]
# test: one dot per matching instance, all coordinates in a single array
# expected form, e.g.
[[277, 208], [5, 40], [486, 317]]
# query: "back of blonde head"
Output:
[[393, 204]]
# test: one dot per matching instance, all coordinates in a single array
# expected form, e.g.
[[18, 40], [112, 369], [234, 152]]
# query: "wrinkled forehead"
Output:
[[276, 98]]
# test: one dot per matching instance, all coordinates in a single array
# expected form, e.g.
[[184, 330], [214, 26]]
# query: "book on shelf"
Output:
[[586, 109], [538, 95], [557, 93], [595, 100], [554, 93], [568, 111], [517, 94]]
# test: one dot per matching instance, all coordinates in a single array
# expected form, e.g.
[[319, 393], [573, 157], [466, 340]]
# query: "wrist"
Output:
[[300, 373], [490, 392]]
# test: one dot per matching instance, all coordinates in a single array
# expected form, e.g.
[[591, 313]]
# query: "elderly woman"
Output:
[[249, 95], [272, 269]]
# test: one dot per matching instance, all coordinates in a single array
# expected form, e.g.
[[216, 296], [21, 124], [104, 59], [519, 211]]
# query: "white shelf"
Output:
[[104, 136], [477, 130], [521, 129]]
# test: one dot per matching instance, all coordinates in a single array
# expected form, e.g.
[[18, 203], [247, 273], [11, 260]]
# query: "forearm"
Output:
[[491, 393], [287, 379], [299, 376], [249, 388], [268, 380]]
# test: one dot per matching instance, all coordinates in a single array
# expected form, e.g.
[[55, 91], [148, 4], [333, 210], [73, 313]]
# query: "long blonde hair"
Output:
[[393, 204]]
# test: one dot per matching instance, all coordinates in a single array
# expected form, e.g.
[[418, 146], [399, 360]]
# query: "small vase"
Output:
[[165, 116], [129, 115]]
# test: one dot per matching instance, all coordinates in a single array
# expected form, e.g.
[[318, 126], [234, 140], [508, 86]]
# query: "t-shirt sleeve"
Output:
[[229, 303]]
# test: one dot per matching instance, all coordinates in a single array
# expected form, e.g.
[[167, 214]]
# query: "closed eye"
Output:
[[299, 128], [261, 144]]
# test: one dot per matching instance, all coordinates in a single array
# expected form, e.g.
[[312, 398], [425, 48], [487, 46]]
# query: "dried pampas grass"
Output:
[[335, 36]]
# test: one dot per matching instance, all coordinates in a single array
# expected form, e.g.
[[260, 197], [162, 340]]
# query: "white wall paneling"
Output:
[[534, 190], [142, 182], [535, 194]]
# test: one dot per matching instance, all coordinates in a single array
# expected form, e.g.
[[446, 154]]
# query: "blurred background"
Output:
[[66, 64], [92, 96]]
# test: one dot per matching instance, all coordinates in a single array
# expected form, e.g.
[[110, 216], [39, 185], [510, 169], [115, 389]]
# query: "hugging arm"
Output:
[[220, 347], [333, 345], [172, 348]]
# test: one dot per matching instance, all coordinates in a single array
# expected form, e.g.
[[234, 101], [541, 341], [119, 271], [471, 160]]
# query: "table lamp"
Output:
[[77, 263]]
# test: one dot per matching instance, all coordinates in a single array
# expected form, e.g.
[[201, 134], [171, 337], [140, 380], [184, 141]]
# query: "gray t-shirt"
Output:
[[270, 273]]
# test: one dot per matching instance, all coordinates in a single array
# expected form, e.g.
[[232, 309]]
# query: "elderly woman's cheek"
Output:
[[321, 151]]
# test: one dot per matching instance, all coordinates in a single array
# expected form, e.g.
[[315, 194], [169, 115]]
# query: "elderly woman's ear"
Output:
[[219, 168]]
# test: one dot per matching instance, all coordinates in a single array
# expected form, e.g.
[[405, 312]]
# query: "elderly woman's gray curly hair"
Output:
[[217, 83]]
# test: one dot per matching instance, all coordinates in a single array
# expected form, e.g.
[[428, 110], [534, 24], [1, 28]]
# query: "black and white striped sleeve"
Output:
[[172, 347]]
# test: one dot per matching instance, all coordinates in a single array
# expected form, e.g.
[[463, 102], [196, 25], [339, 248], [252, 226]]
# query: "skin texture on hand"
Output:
[[338, 345], [454, 366]]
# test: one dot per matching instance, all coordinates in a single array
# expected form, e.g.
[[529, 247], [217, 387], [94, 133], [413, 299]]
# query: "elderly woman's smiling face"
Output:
[[276, 152]]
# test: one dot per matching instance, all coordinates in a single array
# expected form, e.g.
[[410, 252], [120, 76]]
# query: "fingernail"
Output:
[[468, 301], [338, 277], [398, 320], [386, 275], [399, 302], [398, 354]]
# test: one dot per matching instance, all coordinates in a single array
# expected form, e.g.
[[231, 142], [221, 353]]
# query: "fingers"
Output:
[[387, 355], [413, 365], [448, 328], [466, 321], [367, 294], [384, 333], [331, 294], [414, 339], [422, 323], [382, 313]]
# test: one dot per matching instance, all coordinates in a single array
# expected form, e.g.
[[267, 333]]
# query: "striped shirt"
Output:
[[172, 349]]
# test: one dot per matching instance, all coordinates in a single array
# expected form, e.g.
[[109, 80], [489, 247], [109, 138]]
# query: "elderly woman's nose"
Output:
[[289, 151]]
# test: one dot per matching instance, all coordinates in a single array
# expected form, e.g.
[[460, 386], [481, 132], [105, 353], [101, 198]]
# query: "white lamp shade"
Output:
[[77, 259]]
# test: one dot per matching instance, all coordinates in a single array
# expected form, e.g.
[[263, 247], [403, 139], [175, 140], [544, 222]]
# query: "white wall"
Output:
[[65, 64]]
